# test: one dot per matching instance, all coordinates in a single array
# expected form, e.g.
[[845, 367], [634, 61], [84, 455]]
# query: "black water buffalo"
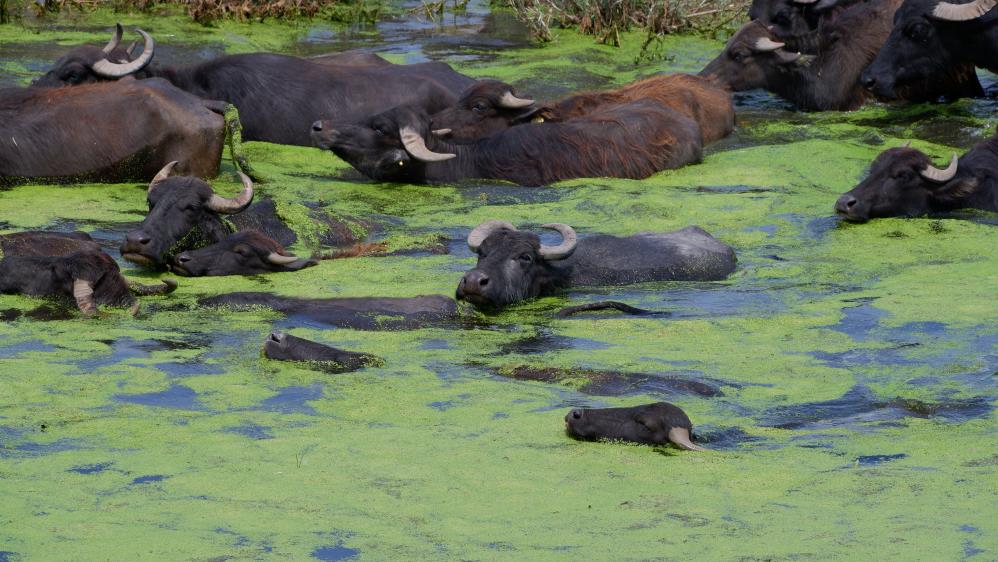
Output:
[[54, 264], [903, 182], [930, 39], [279, 96], [830, 80], [795, 22], [247, 252], [112, 132], [489, 106], [630, 140], [514, 265], [285, 347], [650, 424], [184, 214]]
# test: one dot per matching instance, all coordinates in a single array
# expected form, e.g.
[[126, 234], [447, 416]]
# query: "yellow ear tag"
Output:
[[537, 119]]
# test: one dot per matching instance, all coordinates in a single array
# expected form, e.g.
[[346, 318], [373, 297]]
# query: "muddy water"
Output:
[[845, 374]]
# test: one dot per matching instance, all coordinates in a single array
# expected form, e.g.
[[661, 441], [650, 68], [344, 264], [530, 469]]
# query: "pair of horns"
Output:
[[108, 69], [963, 12], [216, 203], [569, 239], [937, 175]]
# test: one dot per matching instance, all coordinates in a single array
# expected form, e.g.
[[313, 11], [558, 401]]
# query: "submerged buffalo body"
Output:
[[285, 347], [243, 253], [106, 132], [632, 140], [279, 96], [930, 39], [184, 214], [490, 106], [514, 265], [903, 182], [52, 264], [650, 424]]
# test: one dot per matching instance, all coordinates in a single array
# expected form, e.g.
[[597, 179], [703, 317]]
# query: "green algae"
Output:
[[168, 436]]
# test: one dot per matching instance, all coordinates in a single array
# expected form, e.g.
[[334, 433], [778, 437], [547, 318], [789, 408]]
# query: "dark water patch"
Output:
[[873, 460], [8, 556], [29, 346], [334, 552], [859, 320], [602, 306], [544, 342], [91, 468], [122, 349], [504, 194], [861, 406], [177, 397], [734, 189], [31, 449], [293, 400], [970, 550], [149, 479], [865, 357], [434, 344], [442, 406], [722, 438], [615, 383], [251, 430], [189, 368]]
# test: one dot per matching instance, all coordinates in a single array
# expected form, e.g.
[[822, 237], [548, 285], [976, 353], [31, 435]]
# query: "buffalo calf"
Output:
[[244, 253], [650, 424], [285, 347]]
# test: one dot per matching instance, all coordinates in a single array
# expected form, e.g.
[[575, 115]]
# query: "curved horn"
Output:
[[236, 204], [963, 12], [932, 173], [767, 45], [510, 101], [161, 175], [441, 132], [567, 246], [416, 146], [278, 259], [681, 437], [83, 292], [166, 287], [108, 69], [113, 43], [482, 231]]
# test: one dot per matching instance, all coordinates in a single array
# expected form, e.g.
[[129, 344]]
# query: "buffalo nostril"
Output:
[[317, 126], [483, 281], [850, 203], [145, 240], [183, 259], [577, 414], [869, 82]]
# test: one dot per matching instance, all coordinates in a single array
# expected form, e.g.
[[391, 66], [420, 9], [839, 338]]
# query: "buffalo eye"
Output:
[[526, 258], [919, 31], [739, 56], [479, 107], [782, 18], [379, 130]]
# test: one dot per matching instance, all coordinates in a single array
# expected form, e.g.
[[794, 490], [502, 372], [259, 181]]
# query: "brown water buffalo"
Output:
[[285, 347], [930, 39], [830, 80], [650, 424], [243, 253], [54, 264], [114, 132], [184, 214], [279, 96], [903, 182], [514, 265], [631, 140], [490, 106]]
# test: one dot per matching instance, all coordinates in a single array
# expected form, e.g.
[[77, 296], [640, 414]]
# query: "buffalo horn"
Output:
[[161, 175], [963, 12], [484, 230], [109, 69], [767, 45], [237, 203], [510, 101], [563, 250], [416, 146], [932, 173], [166, 287], [83, 292], [278, 259], [441, 132], [681, 437], [113, 43]]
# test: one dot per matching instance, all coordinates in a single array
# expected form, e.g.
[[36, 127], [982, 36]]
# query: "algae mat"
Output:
[[852, 368]]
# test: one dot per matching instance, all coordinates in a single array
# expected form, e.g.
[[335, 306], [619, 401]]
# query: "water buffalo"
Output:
[[244, 253], [631, 140], [929, 40], [184, 214], [903, 182], [112, 132], [753, 58], [285, 347], [795, 22], [278, 96], [490, 106], [54, 264], [514, 265], [650, 424]]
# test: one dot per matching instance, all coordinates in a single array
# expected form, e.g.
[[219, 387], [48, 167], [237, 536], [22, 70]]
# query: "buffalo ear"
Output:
[[530, 113], [653, 423], [956, 189]]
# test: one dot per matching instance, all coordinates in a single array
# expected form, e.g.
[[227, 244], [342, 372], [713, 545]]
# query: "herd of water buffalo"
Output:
[[106, 115]]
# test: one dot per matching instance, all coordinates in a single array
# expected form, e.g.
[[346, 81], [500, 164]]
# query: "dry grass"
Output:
[[207, 11]]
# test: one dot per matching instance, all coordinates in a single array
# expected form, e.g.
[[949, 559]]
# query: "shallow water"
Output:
[[845, 374]]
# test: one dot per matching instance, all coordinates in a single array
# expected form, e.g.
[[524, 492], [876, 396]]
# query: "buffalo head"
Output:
[[88, 64], [651, 424], [753, 58], [903, 182], [512, 265], [183, 214], [788, 19], [486, 107], [243, 253], [285, 347]]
